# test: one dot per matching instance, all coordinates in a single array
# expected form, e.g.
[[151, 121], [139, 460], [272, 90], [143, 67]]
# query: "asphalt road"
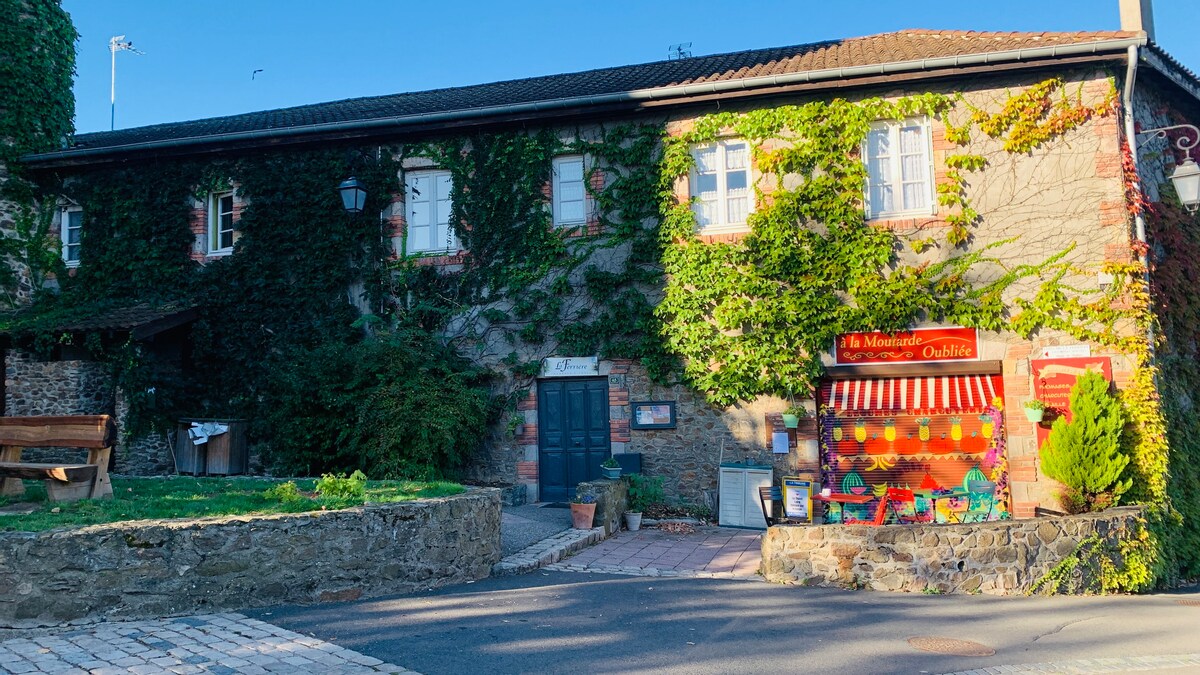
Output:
[[562, 622]]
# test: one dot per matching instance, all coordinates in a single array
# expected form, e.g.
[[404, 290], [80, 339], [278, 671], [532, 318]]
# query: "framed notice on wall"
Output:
[[652, 415], [797, 498]]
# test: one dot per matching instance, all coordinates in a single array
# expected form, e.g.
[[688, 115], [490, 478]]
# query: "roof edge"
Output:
[[676, 92]]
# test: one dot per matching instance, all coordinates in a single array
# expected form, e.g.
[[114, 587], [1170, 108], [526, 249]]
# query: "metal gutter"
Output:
[[1139, 221], [635, 96]]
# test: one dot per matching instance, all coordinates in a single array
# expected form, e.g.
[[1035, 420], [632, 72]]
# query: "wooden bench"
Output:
[[64, 482]]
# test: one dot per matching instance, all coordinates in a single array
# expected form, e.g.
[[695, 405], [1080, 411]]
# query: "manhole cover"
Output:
[[1189, 602], [952, 646]]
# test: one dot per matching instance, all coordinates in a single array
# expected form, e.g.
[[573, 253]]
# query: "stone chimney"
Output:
[[1138, 16]]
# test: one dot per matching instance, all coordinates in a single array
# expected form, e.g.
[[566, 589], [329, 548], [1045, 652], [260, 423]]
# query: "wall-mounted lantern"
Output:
[[354, 195], [1186, 176]]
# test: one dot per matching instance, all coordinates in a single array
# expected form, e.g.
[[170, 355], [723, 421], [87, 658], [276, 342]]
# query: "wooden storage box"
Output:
[[223, 455]]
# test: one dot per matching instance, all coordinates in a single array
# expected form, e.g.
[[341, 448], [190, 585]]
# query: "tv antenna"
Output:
[[118, 43], [683, 50]]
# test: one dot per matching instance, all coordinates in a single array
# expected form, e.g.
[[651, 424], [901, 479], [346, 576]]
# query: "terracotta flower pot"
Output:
[[582, 516]]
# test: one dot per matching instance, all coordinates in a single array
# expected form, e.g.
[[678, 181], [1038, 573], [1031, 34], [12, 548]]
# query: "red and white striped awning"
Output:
[[911, 394]]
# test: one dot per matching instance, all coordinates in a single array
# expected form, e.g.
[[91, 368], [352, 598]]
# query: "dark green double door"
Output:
[[572, 434]]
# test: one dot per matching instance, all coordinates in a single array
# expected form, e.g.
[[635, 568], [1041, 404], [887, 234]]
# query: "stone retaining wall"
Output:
[[165, 567], [999, 558]]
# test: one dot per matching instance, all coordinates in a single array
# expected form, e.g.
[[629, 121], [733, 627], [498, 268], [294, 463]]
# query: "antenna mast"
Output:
[[117, 44]]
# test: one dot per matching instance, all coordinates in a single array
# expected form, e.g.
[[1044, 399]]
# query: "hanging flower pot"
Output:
[[1035, 410]]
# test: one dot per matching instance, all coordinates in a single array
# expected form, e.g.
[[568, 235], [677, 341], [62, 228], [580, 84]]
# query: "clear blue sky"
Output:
[[200, 53]]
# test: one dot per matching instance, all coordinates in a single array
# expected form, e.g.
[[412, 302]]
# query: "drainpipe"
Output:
[[1139, 221]]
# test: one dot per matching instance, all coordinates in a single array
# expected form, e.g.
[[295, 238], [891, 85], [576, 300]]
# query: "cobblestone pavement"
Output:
[[547, 551], [213, 643], [716, 552]]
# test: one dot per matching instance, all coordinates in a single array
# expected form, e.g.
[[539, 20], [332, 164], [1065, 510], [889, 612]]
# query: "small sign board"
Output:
[[652, 415], [1053, 380], [1067, 352], [924, 345], [780, 443], [797, 498], [570, 366]]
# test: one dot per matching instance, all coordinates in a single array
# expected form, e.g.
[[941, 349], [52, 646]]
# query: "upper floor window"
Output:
[[568, 192], [427, 220], [72, 229], [720, 185], [899, 169], [220, 223]]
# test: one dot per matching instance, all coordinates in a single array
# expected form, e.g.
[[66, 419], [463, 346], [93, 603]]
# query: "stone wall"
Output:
[[147, 455], [166, 567], [33, 386], [998, 558], [612, 501]]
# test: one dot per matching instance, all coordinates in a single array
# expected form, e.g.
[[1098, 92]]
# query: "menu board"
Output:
[[797, 497]]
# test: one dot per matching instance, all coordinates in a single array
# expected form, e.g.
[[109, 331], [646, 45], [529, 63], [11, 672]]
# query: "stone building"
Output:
[[923, 405]]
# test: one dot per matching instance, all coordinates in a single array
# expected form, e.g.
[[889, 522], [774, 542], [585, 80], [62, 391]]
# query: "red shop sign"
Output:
[[922, 346], [1052, 383]]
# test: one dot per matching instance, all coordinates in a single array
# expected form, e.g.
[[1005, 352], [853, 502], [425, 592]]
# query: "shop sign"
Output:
[[570, 366], [1052, 383], [923, 345], [1066, 352]]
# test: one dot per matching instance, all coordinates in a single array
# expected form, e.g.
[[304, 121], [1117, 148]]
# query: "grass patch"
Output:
[[183, 497]]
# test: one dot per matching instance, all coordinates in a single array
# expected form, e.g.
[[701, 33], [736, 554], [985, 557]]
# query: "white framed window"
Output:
[[899, 169], [568, 192], [720, 186], [427, 212], [71, 229], [221, 235]]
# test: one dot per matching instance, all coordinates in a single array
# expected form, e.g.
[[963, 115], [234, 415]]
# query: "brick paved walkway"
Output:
[[213, 643], [719, 552], [1176, 663]]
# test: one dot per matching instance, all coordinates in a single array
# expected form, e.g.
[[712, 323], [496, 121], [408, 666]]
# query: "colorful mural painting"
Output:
[[941, 436]]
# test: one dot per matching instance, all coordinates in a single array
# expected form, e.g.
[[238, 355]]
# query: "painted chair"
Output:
[[879, 518], [981, 501], [904, 505]]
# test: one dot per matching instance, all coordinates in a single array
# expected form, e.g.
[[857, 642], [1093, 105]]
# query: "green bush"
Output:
[[644, 491], [396, 405], [338, 486], [1085, 454], [285, 493]]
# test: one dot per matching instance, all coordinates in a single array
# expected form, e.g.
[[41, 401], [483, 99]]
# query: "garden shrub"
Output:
[[339, 486], [1085, 454], [395, 405]]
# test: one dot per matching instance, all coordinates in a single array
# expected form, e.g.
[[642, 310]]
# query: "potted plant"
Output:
[[643, 492], [792, 414], [1034, 410], [583, 512], [611, 469]]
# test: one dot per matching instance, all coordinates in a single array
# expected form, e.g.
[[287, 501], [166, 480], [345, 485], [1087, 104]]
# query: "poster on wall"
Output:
[[797, 498], [653, 415], [1052, 383]]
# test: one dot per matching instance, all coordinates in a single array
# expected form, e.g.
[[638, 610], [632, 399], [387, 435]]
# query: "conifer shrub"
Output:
[[1085, 454]]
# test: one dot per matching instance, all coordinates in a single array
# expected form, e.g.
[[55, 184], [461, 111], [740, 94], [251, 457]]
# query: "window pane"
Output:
[[914, 195], [737, 208], [571, 212], [72, 253], [706, 185], [225, 205], [443, 186], [570, 192], [418, 214], [227, 221], [881, 199], [418, 238], [878, 144], [443, 211], [74, 218], [570, 170], [912, 139], [73, 235], [706, 160], [227, 239], [912, 167], [706, 213], [735, 181], [419, 189], [736, 156], [879, 171]]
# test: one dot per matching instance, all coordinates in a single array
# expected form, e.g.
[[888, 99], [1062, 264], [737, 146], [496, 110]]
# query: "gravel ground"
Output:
[[521, 526]]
